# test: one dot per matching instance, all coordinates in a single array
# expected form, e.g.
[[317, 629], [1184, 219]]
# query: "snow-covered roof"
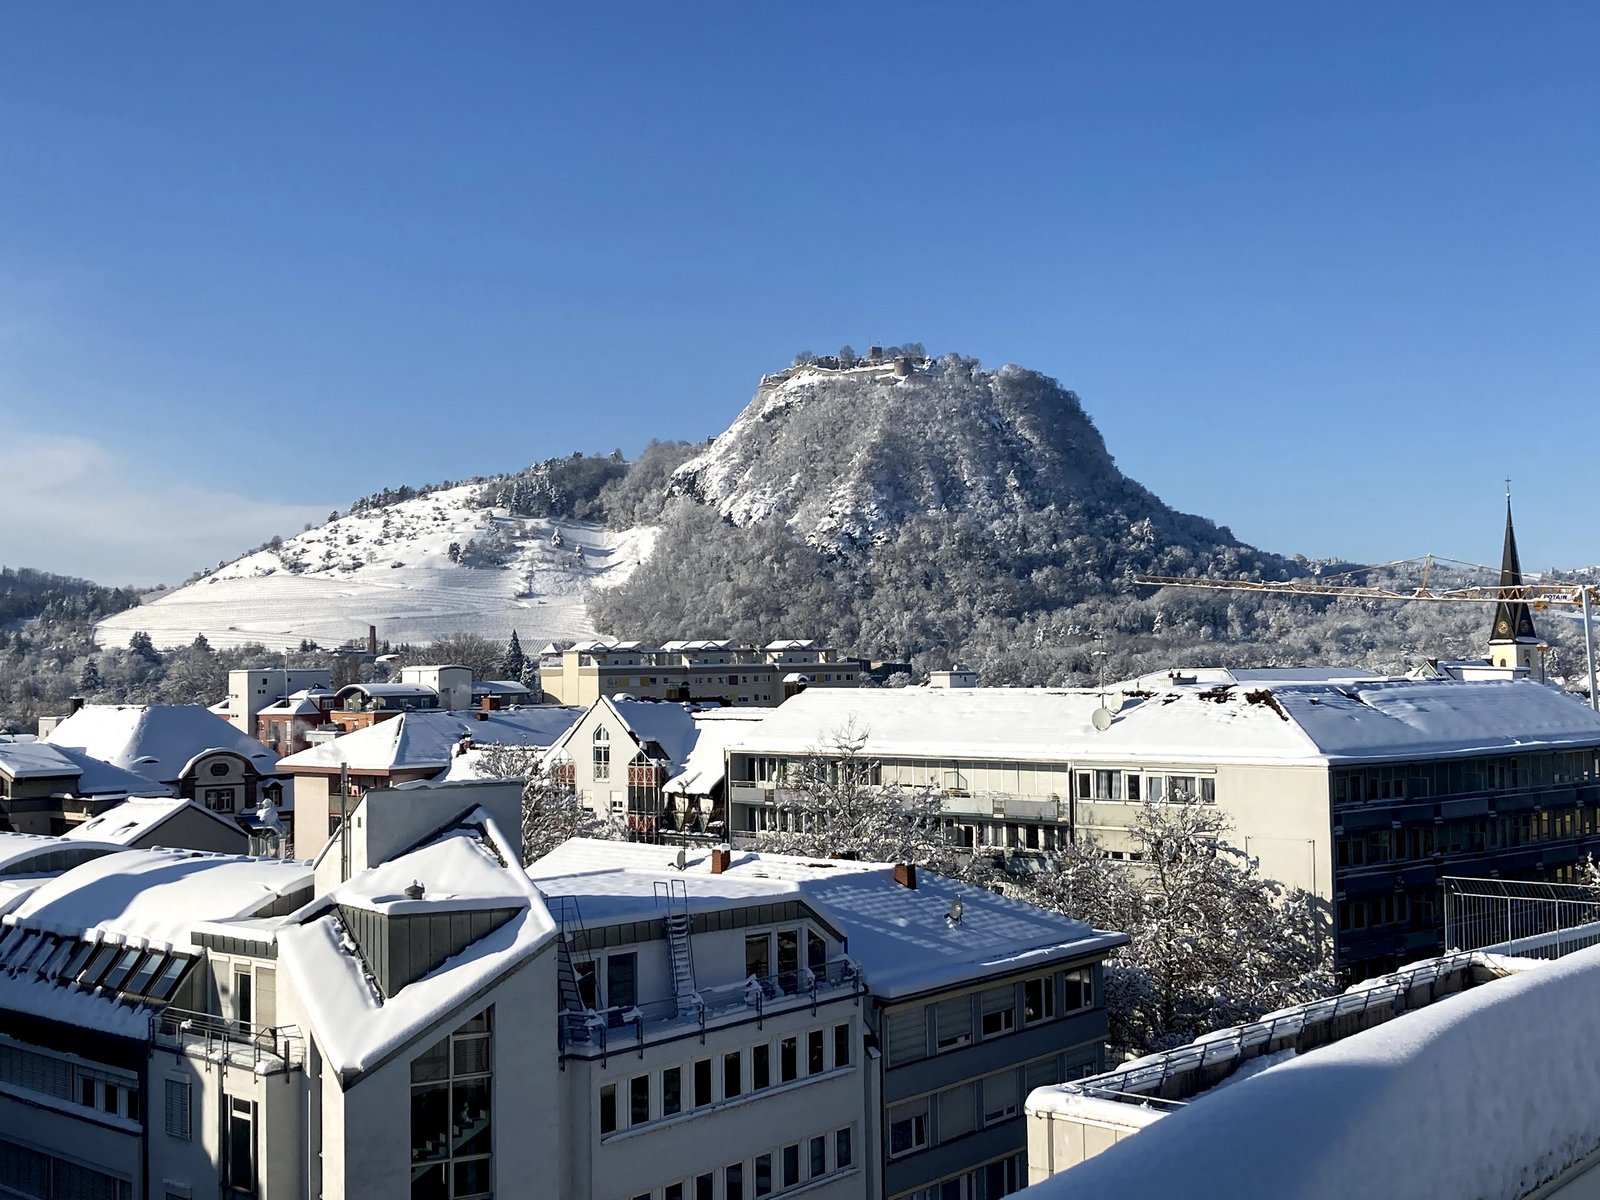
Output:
[[1179, 676], [155, 740], [715, 730], [420, 740], [499, 687], [792, 644], [156, 897], [133, 820], [1473, 1096], [400, 691], [899, 936], [1310, 723], [470, 865], [17, 849], [91, 776]]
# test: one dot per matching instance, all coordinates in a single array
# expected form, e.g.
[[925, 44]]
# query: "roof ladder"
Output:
[[572, 939], [674, 893]]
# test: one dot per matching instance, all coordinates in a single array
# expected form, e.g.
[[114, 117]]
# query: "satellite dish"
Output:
[[953, 917], [1101, 718], [1113, 703], [680, 859]]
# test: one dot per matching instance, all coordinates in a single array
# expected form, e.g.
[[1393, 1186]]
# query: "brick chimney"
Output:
[[720, 861], [905, 874]]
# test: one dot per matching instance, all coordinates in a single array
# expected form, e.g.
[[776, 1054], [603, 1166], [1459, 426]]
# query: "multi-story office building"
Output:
[[413, 1014], [718, 672], [1360, 792]]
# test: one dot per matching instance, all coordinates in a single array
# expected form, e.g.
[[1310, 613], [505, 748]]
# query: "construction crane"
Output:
[[1539, 596]]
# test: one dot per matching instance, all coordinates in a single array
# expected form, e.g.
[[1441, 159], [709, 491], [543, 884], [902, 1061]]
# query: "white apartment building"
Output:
[[414, 1014], [714, 671]]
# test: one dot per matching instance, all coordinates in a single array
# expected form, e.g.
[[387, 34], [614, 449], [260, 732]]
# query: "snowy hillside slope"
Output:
[[392, 568]]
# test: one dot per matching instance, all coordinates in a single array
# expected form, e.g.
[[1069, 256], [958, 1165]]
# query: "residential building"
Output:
[[415, 745], [40, 782], [715, 672], [655, 768], [251, 691], [173, 821], [416, 1014], [1360, 792], [860, 1029], [290, 725]]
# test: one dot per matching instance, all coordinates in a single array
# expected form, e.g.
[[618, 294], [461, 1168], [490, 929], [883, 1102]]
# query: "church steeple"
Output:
[[1513, 641]]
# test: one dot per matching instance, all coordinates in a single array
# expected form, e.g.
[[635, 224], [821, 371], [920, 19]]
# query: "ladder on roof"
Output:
[[674, 893], [572, 939]]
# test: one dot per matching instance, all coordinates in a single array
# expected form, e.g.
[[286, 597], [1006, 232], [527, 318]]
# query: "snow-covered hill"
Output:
[[393, 568]]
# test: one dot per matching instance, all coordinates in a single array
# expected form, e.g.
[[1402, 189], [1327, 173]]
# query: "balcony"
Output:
[[613, 1030], [265, 1049]]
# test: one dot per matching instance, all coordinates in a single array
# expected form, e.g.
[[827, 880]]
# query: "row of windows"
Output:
[[769, 1174], [915, 1033], [451, 1106], [658, 1095], [125, 970], [1398, 908], [49, 1075], [28, 1172], [1478, 835], [989, 1182], [1458, 776], [953, 1113], [1121, 785]]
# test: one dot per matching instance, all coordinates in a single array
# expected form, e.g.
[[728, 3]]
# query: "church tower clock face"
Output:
[[1504, 626]]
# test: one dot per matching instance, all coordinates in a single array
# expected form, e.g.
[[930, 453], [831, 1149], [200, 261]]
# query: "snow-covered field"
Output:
[[392, 569]]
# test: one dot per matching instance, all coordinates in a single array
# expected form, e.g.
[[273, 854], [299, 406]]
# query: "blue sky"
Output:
[[1322, 273]]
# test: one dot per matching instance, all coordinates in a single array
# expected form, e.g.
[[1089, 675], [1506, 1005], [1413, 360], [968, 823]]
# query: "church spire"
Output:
[[1513, 622]]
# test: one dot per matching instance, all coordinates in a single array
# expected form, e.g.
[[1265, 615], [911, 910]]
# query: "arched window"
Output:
[[602, 754]]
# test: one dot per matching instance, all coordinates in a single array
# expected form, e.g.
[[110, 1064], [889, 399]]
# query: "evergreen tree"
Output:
[[512, 665], [141, 645], [201, 644], [90, 680]]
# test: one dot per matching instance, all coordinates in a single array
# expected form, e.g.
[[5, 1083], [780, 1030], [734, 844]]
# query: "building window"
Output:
[[177, 1109], [451, 1146], [953, 1023], [639, 1100], [608, 1109], [999, 1097], [841, 1148], [733, 1182], [243, 997], [999, 1006], [1133, 787], [239, 1151], [1038, 999], [622, 975], [908, 1128], [702, 1082], [757, 955], [1208, 791], [791, 1165], [814, 1063], [906, 1036], [732, 1076], [671, 1092], [1079, 989], [819, 1156], [602, 754], [788, 1060], [760, 1067], [705, 1186], [841, 1046], [218, 799], [763, 1175]]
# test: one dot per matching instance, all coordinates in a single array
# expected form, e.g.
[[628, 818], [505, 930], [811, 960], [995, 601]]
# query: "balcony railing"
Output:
[[264, 1047], [612, 1030]]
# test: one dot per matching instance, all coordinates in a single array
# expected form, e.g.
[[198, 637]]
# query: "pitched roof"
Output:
[[134, 820], [706, 763], [427, 739], [91, 776], [155, 740]]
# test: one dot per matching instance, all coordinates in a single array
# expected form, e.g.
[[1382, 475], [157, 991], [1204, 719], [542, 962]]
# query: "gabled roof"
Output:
[[423, 740], [469, 865], [134, 820], [89, 776], [155, 740], [899, 936]]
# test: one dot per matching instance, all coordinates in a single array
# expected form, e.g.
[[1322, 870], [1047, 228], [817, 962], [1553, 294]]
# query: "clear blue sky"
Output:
[[1322, 273]]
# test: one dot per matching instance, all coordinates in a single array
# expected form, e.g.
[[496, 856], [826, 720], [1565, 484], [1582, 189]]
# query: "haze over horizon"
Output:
[[1323, 277]]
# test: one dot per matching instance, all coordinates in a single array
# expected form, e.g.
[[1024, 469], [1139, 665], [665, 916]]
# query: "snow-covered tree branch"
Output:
[[551, 811]]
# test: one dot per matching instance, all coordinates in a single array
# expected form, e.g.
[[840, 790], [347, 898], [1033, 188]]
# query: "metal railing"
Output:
[[1521, 918], [754, 997], [262, 1046]]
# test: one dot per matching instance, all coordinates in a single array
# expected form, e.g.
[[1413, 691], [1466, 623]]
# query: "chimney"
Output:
[[74, 703], [905, 874], [720, 861], [372, 639], [483, 713], [489, 704]]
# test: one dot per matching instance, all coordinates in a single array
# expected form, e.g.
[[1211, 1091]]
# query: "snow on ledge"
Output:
[[1487, 1094]]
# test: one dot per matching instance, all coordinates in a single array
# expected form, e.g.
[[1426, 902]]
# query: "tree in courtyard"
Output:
[[1211, 944], [552, 811], [832, 804]]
